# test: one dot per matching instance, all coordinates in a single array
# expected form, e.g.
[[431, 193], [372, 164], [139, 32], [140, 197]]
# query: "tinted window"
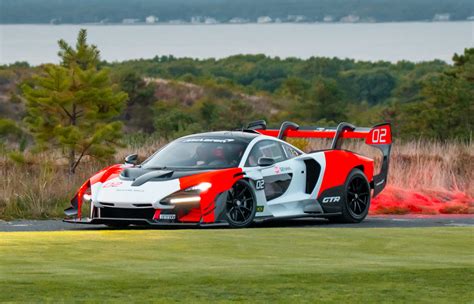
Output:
[[265, 148], [290, 152], [199, 153]]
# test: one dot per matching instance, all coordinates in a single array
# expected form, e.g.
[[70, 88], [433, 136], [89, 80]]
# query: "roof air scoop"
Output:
[[257, 125]]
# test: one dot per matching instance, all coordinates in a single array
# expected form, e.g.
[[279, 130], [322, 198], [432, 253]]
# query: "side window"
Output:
[[290, 152], [265, 148]]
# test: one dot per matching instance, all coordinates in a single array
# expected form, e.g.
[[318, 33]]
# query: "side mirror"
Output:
[[131, 159], [265, 161]]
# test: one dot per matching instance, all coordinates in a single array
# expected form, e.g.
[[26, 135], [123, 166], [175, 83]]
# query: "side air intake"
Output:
[[313, 169]]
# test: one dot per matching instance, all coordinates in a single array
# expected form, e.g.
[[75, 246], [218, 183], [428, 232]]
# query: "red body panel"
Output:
[[313, 133], [79, 195], [379, 135], [338, 165], [101, 176], [107, 173], [221, 180]]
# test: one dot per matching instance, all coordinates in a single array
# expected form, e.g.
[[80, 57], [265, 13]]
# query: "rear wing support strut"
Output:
[[337, 140], [287, 125]]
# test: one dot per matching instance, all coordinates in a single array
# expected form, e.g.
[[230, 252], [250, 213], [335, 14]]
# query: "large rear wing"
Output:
[[378, 136]]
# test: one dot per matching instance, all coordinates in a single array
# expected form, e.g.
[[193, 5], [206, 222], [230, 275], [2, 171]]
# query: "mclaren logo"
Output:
[[331, 199], [112, 184]]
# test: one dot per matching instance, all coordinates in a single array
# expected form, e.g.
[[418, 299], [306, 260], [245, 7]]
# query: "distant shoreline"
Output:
[[392, 42], [237, 24]]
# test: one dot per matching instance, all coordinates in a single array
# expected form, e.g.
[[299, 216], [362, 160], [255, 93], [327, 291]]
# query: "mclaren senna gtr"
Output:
[[238, 177]]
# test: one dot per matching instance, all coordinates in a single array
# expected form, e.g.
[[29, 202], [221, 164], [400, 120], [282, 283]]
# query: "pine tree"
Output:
[[73, 106], [447, 108]]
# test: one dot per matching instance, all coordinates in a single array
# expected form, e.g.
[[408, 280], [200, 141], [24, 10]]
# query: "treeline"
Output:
[[84, 11], [169, 97], [422, 100]]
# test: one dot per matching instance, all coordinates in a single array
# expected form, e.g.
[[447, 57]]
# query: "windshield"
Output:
[[198, 153]]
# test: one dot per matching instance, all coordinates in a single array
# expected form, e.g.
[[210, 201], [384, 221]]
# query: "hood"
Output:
[[143, 175], [136, 187], [139, 187]]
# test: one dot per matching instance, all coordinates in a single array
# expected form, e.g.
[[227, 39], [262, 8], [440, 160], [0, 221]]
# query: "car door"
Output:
[[283, 180]]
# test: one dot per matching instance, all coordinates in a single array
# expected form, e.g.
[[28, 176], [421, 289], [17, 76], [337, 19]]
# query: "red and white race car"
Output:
[[238, 177]]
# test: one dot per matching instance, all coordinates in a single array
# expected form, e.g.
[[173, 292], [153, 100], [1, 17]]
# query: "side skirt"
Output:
[[273, 218]]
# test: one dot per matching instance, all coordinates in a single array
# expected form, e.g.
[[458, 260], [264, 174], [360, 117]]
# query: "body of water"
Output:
[[414, 41]]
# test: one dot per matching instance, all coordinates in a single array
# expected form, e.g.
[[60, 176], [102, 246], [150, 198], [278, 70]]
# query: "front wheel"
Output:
[[357, 198], [241, 205]]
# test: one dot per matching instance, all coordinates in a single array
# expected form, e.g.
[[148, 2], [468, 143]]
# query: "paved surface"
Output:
[[371, 222]]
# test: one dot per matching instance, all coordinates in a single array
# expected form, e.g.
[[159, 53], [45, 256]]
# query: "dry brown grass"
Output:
[[41, 188], [425, 177]]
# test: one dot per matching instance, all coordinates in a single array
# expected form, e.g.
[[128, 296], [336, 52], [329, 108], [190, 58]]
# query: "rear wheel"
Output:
[[241, 205], [357, 201]]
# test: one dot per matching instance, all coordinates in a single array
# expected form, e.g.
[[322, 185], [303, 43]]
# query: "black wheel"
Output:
[[357, 200], [241, 205]]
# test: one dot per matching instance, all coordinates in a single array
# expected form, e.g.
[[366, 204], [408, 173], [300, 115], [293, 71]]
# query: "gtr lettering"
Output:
[[331, 199]]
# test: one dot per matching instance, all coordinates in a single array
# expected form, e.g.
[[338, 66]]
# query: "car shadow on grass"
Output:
[[389, 221], [270, 223]]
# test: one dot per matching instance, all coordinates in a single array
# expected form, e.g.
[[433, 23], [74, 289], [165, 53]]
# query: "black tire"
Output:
[[241, 204], [357, 198]]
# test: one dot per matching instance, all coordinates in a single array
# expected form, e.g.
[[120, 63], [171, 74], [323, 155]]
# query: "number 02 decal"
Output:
[[260, 184], [379, 136]]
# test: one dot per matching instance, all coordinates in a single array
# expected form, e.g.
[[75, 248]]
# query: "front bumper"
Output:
[[135, 216], [182, 216]]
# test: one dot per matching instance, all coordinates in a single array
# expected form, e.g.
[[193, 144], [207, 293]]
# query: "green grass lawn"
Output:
[[259, 265]]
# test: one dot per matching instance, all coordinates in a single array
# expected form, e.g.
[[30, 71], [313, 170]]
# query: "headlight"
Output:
[[185, 199], [87, 196], [202, 187], [189, 197]]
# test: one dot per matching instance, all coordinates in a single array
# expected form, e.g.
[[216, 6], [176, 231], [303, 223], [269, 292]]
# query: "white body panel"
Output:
[[295, 198], [123, 195]]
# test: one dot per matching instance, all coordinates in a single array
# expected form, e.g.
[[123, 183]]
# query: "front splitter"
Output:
[[140, 222]]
